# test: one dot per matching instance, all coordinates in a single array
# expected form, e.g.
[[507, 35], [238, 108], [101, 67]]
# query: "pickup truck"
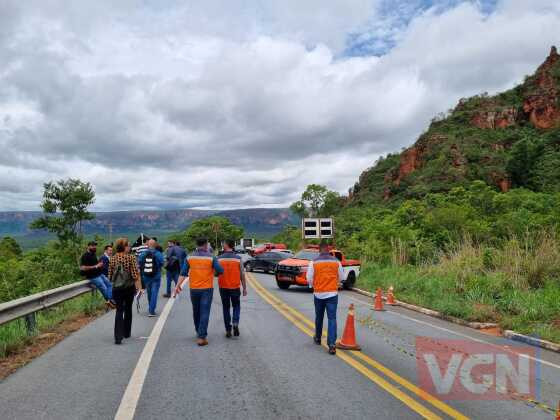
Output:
[[293, 271]]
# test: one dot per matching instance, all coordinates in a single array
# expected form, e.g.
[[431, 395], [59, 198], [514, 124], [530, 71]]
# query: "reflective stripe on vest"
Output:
[[325, 277], [201, 272], [231, 279]]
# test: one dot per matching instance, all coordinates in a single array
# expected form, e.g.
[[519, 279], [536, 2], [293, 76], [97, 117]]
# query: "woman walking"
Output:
[[125, 277]]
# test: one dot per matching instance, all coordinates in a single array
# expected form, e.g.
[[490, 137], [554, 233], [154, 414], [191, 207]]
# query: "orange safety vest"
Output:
[[231, 278], [201, 272], [325, 276]]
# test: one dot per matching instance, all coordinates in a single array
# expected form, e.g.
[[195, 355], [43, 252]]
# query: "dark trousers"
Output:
[[172, 277], [124, 298], [329, 305], [233, 297], [201, 300]]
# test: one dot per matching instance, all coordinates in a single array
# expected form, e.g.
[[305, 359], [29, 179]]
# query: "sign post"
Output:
[[317, 228]]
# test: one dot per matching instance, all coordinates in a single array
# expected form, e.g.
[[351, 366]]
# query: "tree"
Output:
[[215, 228], [9, 248], [317, 201], [64, 205]]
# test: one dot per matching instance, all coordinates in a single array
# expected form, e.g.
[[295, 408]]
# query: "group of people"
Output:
[[123, 275]]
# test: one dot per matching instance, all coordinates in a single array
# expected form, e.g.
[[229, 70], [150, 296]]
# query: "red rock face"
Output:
[[409, 163], [492, 119], [542, 105]]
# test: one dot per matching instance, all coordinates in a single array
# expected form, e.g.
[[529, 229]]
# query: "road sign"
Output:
[[316, 228]]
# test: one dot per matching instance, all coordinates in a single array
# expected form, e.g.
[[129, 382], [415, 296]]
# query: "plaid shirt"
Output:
[[129, 263]]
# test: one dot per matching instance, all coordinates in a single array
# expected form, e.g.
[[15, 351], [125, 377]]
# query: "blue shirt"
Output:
[[218, 269], [158, 256], [105, 260]]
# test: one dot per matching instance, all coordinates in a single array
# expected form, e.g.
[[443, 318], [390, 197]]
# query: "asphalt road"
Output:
[[272, 371]]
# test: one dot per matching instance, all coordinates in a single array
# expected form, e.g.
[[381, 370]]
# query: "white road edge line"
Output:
[[544, 362], [133, 390]]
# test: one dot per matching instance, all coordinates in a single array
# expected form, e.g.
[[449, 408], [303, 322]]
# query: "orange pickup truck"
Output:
[[293, 271]]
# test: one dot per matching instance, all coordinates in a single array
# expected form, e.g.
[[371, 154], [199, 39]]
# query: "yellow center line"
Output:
[[365, 358], [397, 393]]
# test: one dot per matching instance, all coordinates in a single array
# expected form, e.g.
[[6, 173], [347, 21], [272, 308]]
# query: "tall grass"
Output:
[[516, 284]]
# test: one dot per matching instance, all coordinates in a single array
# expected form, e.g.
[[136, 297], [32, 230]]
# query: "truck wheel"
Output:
[[350, 280], [282, 284]]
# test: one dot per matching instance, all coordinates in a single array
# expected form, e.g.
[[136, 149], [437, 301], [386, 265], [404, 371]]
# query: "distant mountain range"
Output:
[[254, 221]]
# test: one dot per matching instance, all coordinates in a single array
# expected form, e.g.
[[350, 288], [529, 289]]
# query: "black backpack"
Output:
[[150, 264], [121, 279]]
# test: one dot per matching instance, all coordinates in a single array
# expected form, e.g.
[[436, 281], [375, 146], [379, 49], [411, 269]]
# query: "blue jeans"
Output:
[[201, 303], [103, 285], [172, 277], [330, 305], [231, 296], [152, 290]]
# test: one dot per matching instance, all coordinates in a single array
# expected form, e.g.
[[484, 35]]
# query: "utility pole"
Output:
[[110, 233]]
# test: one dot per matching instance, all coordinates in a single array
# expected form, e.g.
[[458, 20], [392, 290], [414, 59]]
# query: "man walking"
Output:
[[324, 275], [200, 267], [173, 261], [91, 268], [230, 281], [151, 262]]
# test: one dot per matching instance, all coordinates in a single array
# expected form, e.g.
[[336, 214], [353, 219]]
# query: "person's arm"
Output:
[[136, 273], [310, 274], [182, 277], [243, 281], [111, 264], [159, 258], [84, 267], [218, 269]]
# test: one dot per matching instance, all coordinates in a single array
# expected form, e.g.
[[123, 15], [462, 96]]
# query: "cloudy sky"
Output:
[[239, 103]]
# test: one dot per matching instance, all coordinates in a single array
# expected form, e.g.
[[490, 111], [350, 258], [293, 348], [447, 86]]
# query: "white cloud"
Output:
[[237, 104]]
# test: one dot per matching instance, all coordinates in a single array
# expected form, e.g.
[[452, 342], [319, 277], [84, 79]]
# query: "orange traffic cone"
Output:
[[390, 297], [348, 341], [378, 301]]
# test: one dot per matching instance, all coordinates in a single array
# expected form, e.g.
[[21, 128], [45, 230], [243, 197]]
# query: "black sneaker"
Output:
[[228, 333], [166, 295], [236, 330], [317, 340], [332, 350]]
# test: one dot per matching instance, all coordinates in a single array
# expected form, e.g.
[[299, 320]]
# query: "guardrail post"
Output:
[[31, 323]]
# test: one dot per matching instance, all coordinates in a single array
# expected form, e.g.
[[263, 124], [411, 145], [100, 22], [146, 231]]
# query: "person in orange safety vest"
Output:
[[324, 275], [200, 267], [230, 283]]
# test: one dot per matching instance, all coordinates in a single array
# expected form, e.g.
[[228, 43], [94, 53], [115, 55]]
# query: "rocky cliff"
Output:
[[477, 141]]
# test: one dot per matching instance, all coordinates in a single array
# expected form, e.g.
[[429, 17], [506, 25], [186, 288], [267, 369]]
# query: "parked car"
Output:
[[267, 261], [294, 270], [259, 249]]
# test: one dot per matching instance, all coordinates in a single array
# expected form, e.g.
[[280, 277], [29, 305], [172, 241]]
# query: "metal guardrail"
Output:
[[28, 305]]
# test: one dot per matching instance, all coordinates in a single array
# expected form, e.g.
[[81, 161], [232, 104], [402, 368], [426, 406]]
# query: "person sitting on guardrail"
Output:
[[107, 253], [125, 277], [151, 262], [92, 269]]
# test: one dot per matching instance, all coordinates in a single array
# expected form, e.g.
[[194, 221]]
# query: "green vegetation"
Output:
[[215, 228], [65, 205]]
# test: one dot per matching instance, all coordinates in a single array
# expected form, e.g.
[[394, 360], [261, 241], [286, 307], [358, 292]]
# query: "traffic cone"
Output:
[[348, 341], [390, 297], [378, 302], [558, 412]]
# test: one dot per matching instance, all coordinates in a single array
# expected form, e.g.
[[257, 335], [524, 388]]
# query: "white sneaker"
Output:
[[151, 315]]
